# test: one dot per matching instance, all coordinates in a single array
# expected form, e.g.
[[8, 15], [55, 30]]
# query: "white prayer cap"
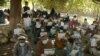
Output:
[[44, 15], [22, 38], [53, 27], [18, 24], [42, 30], [43, 34]]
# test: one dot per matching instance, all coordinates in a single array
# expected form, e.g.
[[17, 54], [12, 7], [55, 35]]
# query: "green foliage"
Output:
[[48, 4], [79, 6], [2, 2], [96, 1]]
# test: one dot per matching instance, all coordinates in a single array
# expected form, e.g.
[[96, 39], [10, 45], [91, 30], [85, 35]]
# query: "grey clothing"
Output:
[[22, 50]]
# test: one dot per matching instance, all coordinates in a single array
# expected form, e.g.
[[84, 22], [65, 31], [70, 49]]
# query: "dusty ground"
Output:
[[6, 49]]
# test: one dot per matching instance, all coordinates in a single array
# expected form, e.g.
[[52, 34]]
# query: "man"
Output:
[[49, 25], [52, 32], [42, 44], [26, 6], [25, 9], [22, 48], [93, 45], [66, 19], [17, 31], [76, 34], [60, 44], [85, 24], [73, 23], [76, 49], [27, 22]]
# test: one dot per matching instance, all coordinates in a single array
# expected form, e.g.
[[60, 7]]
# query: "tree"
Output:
[[15, 13]]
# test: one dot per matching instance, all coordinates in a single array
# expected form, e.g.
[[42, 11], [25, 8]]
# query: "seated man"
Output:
[[17, 31], [60, 44], [43, 43], [22, 48]]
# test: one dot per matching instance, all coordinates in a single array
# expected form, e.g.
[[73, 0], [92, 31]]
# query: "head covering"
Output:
[[42, 30], [43, 34], [18, 25], [22, 38], [53, 27]]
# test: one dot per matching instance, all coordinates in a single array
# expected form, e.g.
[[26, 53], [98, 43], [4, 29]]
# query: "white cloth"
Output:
[[91, 27], [76, 35], [62, 23], [53, 31], [17, 31], [27, 22], [65, 26], [61, 35], [21, 44], [43, 33], [45, 20], [73, 52], [85, 24], [93, 42], [55, 21], [50, 23], [83, 31], [50, 51], [38, 25], [97, 36], [45, 41]]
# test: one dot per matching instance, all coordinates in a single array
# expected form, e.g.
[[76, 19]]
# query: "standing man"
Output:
[[26, 8]]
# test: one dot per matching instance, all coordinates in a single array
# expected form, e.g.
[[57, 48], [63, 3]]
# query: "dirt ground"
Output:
[[6, 49]]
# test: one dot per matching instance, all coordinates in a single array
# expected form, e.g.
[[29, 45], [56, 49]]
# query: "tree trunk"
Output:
[[15, 13]]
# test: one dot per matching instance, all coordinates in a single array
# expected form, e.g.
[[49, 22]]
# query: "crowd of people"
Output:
[[53, 35]]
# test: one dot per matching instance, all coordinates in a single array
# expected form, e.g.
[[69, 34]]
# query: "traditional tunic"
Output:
[[27, 22], [40, 47]]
